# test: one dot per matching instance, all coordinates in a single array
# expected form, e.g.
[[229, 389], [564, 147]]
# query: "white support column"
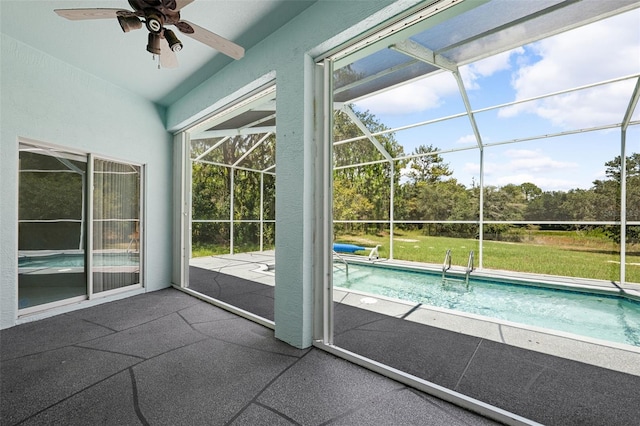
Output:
[[84, 215], [392, 170], [88, 178], [296, 206], [326, 221], [623, 205], [261, 211], [481, 211], [232, 174], [633, 103], [182, 210]]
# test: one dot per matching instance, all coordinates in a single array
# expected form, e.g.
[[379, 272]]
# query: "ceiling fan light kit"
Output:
[[128, 23], [172, 39], [156, 14], [153, 46]]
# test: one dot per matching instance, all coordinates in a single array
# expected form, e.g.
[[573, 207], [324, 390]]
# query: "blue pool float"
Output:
[[347, 248]]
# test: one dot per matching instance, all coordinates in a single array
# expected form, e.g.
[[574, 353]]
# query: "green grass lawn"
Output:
[[565, 253], [202, 249]]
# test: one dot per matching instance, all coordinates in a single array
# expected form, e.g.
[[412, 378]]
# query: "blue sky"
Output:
[[600, 51]]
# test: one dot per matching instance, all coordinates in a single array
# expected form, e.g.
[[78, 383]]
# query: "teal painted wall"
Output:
[[287, 54], [47, 100]]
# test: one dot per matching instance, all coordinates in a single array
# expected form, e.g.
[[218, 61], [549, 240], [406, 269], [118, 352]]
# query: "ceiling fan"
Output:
[[156, 14]]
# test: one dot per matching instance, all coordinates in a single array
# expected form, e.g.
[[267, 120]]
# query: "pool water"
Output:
[[77, 260], [606, 317]]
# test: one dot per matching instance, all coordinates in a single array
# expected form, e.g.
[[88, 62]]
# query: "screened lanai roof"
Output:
[[460, 33], [242, 137], [485, 29], [463, 34]]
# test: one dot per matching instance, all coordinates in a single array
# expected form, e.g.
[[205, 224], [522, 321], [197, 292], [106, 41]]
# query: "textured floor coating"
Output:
[[166, 358], [548, 389]]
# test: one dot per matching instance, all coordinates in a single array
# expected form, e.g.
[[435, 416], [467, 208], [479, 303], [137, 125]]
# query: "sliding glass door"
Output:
[[61, 258], [51, 226], [116, 225]]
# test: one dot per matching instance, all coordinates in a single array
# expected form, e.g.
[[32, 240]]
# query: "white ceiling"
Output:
[[101, 48]]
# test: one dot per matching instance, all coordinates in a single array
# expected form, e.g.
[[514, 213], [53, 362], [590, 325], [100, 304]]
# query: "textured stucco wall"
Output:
[[47, 100], [287, 53]]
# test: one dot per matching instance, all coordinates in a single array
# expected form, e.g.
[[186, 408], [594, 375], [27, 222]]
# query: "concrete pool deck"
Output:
[[257, 267]]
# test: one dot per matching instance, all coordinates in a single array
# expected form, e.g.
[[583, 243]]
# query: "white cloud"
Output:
[[467, 139], [597, 52], [487, 67], [500, 62], [472, 168], [524, 160], [600, 175], [522, 153], [428, 93], [417, 96], [523, 165]]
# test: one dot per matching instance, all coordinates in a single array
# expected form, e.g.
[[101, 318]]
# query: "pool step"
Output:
[[455, 284]]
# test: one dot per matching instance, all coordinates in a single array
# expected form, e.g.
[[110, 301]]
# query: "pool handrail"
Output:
[[469, 267], [446, 265], [343, 260]]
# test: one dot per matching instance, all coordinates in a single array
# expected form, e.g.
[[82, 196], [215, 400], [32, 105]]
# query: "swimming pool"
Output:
[[601, 316], [77, 260]]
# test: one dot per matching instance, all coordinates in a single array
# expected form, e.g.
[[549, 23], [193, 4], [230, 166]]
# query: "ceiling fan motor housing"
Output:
[[154, 21]]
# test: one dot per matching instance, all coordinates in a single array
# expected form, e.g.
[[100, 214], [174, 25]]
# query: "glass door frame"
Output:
[[87, 227], [90, 234], [182, 198], [55, 151]]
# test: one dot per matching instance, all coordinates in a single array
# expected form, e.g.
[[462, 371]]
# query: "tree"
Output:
[[548, 206], [419, 194], [581, 205], [614, 167], [428, 167], [372, 182], [530, 191], [211, 189], [350, 204], [614, 172], [503, 204]]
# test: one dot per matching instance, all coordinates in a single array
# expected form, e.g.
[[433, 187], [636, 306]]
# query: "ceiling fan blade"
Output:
[[225, 46], [82, 14], [168, 58], [182, 3]]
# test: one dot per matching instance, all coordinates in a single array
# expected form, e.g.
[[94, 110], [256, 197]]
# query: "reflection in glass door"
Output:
[[51, 227], [116, 225], [60, 194]]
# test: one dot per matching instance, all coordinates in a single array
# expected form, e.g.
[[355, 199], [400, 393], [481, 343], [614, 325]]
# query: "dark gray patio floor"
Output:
[[547, 389], [166, 358]]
